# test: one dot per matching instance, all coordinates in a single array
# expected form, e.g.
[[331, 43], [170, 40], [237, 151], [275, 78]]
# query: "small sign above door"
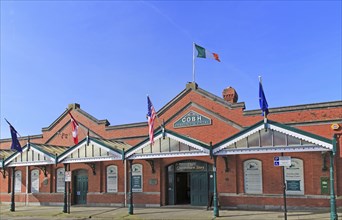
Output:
[[192, 119]]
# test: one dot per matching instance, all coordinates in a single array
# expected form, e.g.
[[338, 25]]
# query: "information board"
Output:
[[34, 181], [137, 178], [253, 176], [60, 180], [112, 179]]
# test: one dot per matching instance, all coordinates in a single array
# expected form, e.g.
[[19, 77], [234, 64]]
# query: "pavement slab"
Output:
[[162, 213]]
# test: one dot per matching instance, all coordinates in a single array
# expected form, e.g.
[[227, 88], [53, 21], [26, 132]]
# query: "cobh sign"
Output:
[[192, 119]]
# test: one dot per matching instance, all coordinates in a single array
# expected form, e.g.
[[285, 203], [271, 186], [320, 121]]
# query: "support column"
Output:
[[69, 189], [65, 207], [12, 193], [125, 182], [130, 193], [333, 215], [284, 189], [215, 199], [27, 185]]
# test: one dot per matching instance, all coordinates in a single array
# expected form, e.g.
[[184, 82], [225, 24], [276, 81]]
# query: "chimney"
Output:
[[74, 106], [229, 94], [191, 85]]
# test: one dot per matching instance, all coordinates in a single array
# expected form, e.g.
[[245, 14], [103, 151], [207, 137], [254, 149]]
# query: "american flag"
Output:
[[151, 115], [74, 126]]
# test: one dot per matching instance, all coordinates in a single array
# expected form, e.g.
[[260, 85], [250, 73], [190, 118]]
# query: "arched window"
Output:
[[137, 178], [35, 181], [294, 177], [17, 181], [60, 183], [253, 176], [112, 179]]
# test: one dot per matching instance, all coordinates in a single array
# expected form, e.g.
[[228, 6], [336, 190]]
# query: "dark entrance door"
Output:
[[171, 188], [189, 182], [80, 188], [199, 188], [182, 188]]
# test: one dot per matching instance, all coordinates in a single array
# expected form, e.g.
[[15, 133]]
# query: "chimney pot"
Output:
[[229, 94]]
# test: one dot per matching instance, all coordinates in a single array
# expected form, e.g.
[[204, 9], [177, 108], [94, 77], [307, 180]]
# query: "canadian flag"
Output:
[[74, 126]]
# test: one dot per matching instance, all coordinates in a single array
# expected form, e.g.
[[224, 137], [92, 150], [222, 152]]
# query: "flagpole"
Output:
[[160, 125], [193, 61], [15, 141], [12, 127]]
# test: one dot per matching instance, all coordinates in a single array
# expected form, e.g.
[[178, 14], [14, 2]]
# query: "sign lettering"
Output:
[[192, 119]]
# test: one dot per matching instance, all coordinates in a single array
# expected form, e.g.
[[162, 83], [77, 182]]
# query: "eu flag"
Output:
[[15, 142], [263, 101]]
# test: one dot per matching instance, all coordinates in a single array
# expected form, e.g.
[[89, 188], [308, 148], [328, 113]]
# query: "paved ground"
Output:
[[164, 213]]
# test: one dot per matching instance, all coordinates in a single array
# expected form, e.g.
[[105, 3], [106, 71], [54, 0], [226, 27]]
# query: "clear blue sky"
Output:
[[107, 55]]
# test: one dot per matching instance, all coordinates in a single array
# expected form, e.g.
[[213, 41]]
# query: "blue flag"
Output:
[[263, 101], [15, 142]]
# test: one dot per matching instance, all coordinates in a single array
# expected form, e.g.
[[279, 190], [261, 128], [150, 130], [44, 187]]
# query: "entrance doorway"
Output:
[[189, 182], [80, 187], [182, 188]]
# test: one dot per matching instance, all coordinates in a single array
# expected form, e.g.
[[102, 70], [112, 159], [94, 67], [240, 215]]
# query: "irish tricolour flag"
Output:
[[203, 53]]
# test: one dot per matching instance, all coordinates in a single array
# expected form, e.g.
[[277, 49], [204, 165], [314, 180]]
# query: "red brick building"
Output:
[[199, 128]]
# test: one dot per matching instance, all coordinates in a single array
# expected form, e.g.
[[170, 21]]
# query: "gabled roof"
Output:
[[75, 107], [96, 150], [168, 144], [270, 138], [191, 86], [35, 154]]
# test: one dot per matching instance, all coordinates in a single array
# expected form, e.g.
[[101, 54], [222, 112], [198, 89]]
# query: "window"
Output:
[[112, 179], [266, 138], [34, 181], [294, 177], [254, 140], [60, 183], [253, 176], [137, 178], [279, 139], [292, 140], [17, 181]]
